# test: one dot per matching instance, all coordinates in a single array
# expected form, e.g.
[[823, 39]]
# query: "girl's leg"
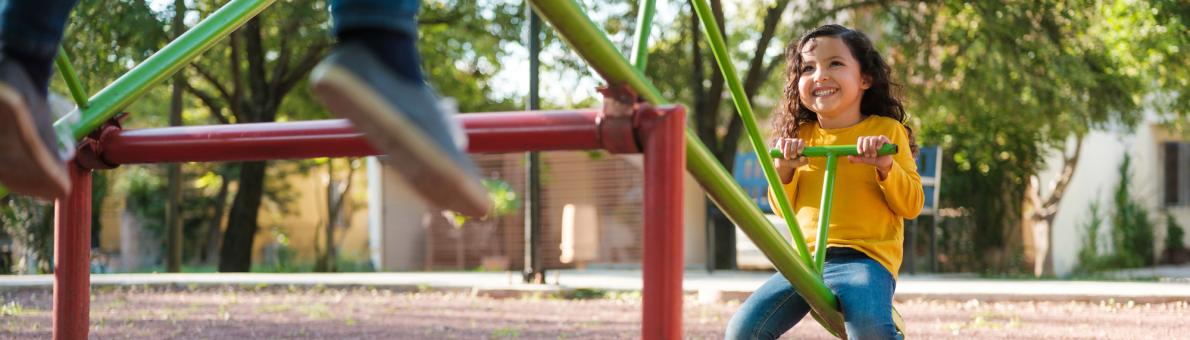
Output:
[[769, 312], [865, 291]]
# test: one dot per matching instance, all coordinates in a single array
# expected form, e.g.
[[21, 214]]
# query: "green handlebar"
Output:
[[836, 150]]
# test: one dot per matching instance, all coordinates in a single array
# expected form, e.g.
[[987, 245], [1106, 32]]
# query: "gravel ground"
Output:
[[354, 313]]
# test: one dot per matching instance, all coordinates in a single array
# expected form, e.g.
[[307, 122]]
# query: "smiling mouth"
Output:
[[825, 92]]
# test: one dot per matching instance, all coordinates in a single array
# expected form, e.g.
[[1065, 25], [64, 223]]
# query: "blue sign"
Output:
[[750, 176], [929, 166]]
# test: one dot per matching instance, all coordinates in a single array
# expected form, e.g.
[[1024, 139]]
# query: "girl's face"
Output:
[[830, 82]]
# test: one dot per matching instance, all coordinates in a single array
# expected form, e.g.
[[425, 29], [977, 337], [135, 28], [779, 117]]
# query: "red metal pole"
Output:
[[488, 133], [662, 133], [506, 132], [72, 258]]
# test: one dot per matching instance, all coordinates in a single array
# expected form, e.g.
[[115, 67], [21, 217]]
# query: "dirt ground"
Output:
[[366, 313]]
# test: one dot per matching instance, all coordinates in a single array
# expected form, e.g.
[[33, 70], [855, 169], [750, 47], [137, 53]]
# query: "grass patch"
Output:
[[12, 308], [316, 311], [506, 332], [584, 294]]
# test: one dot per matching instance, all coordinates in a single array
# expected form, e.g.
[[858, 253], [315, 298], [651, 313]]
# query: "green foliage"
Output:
[[1089, 258], [999, 86], [102, 49], [463, 45], [29, 223], [145, 188], [1131, 231], [1174, 234], [503, 196], [282, 259], [584, 294], [12, 308]]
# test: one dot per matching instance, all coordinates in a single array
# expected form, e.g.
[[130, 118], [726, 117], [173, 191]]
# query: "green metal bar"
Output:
[[77, 91], [837, 150], [644, 24], [832, 153], [824, 214], [592, 44], [719, 48], [585, 37], [162, 65]]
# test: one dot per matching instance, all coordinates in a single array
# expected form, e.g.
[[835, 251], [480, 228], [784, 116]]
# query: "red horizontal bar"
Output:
[[506, 132], [500, 132]]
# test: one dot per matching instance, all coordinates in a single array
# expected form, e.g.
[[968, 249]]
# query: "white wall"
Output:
[[397, 234]]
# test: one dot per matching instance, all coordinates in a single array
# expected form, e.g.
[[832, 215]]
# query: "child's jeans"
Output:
[[864, 289], [33, 28]]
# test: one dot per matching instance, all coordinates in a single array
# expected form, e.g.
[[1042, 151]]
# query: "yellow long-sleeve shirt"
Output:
[[868, 213]]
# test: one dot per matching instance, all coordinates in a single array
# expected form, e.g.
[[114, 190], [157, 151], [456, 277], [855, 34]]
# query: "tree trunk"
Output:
[[215, 229], [1046, 211], [173, 222], [1043, 233], [238, 241]]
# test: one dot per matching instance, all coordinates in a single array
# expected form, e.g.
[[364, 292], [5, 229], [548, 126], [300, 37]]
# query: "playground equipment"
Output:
[[653, 128], [823, 305]]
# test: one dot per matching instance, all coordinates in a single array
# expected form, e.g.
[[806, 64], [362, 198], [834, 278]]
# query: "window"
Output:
[[1177, 173]]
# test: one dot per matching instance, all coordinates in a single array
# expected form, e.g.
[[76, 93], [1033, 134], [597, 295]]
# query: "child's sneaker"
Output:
[[403, 120], [31, 160]]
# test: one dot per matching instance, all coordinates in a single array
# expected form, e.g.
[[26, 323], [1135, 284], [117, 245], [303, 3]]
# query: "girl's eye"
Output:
[[807, 69], [836, 63]]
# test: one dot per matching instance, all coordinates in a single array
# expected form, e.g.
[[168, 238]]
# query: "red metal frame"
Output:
[[662, 133], [72, 258], [659, 131]]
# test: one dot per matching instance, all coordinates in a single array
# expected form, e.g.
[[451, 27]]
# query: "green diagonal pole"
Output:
[[644, 24], [592, 44], [161, 65], [824, 213], [77, 91], [719, 49]]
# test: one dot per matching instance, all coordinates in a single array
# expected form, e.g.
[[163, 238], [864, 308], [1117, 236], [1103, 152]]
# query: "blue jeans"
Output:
[[864, 289], [394, 15], [32, 30]]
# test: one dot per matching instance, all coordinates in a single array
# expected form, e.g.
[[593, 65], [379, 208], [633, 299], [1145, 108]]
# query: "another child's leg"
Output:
[[31, 157], [373, 77], [770, 311], [865, 291]]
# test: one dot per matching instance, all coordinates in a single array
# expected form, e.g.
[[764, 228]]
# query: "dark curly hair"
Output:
[[880, 99]]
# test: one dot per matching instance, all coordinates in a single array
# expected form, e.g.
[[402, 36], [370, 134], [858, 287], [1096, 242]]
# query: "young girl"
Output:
[[840, 92]]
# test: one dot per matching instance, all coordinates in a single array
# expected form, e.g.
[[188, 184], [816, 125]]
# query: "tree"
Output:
[[1000, 86], [250, 77], [337, 194], [260, 74]]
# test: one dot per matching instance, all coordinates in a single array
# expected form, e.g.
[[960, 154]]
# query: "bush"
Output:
[[30, 225], [1132, 239], [1174, 234], [1089, 259], [1132, 230], [1175, 249]]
